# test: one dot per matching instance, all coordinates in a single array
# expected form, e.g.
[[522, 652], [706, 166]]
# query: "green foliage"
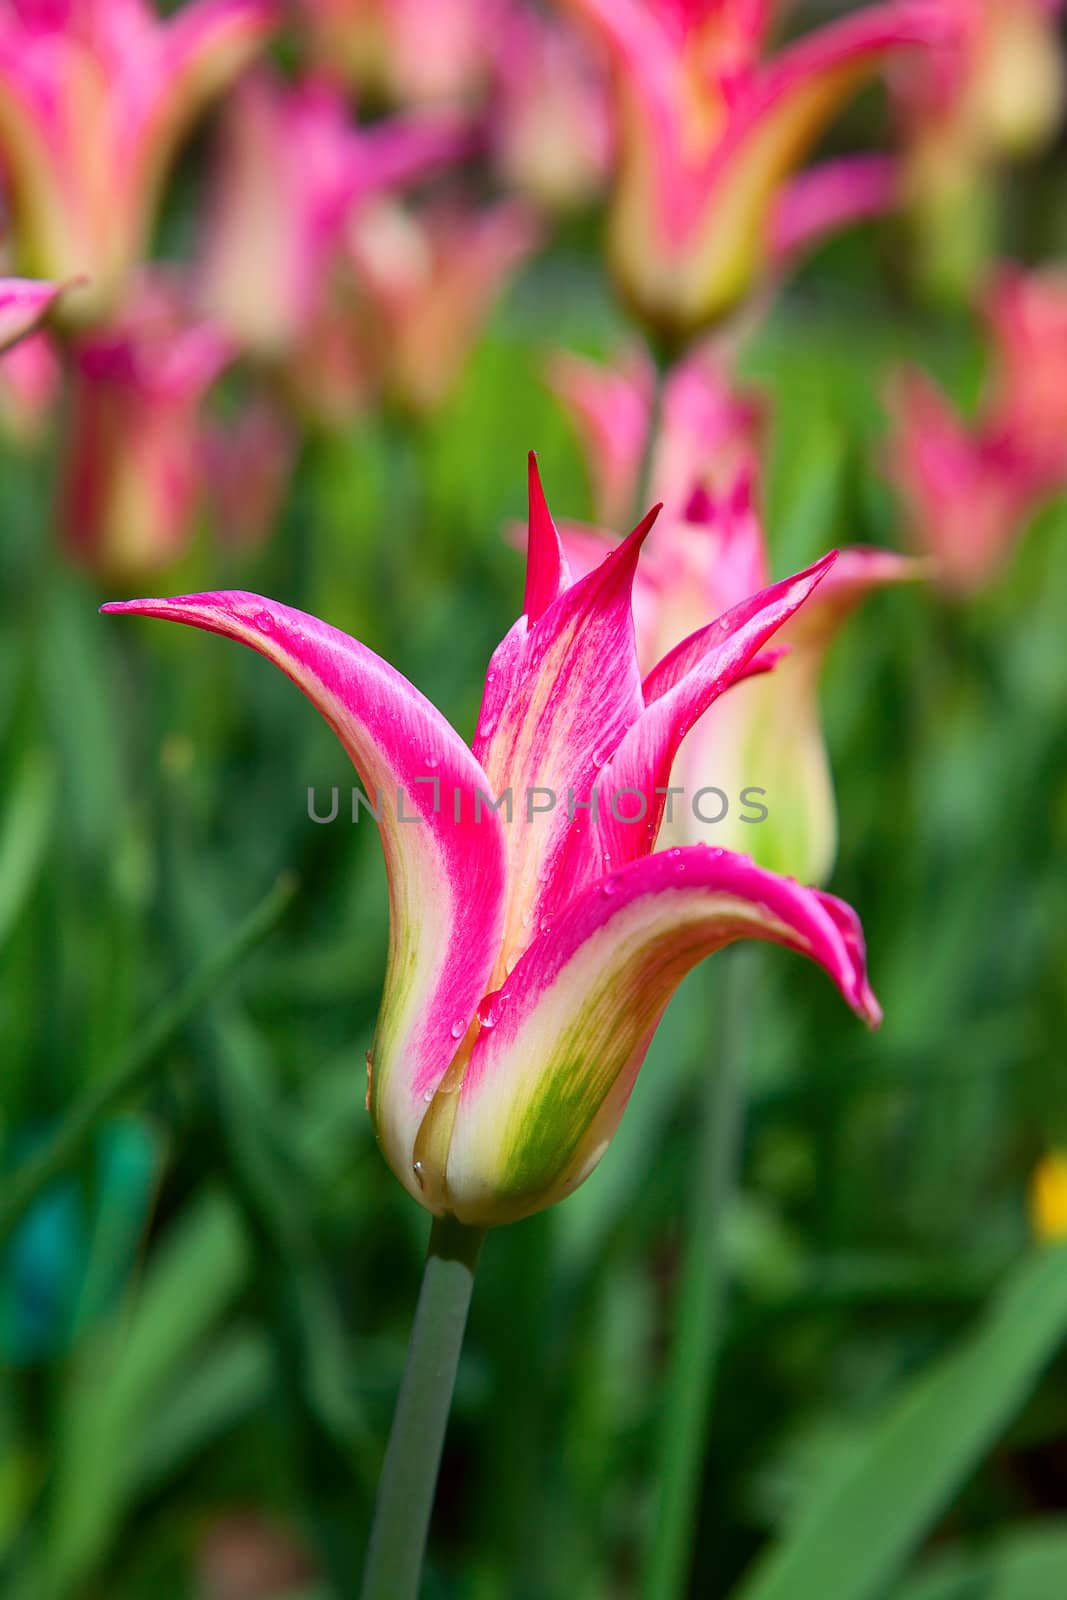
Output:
[[887, 1393]]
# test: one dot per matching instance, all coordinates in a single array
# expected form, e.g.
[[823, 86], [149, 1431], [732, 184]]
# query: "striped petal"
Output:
[[446, 876], [560, 1046], [560, 694]]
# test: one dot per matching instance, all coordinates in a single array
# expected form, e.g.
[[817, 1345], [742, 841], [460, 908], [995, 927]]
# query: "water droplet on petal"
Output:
[[417, 1170], [609, 886], [458, 1028], [546, 923], [264, 621], [428, 1096], [724, 624]]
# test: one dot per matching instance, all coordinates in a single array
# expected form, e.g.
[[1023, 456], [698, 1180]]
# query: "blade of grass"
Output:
[[137, 1062], [862, 1522]]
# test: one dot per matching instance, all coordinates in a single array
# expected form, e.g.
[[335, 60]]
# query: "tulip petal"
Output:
[[677, 693], [560, 694], [24, 303], [556, 1059], [446, 877], [547, 574], [829, 196]]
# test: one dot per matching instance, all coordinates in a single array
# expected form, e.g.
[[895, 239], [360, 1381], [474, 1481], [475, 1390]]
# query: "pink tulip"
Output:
[[295, 170], [530, 963], [429, 281], [969, 490], [711, 135], [551, 127], [131, 476], [95, 96]]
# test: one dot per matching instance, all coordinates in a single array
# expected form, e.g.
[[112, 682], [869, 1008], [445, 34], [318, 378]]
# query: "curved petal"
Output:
[[446, 877], [560, 1046], [677, 693], [24, 303], [559, 696], [831, 196]]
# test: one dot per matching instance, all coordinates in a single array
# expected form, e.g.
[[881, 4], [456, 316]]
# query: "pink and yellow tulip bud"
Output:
[[95, 96], [530, 960], [711, 134], [430, 281], [1048, 1198], [408, 52], [294, 172], [132, 468], [551, 126], [759, 755], [969, 490]]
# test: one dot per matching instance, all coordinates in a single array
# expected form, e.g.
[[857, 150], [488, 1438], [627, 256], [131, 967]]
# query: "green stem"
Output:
[[413, 1457], [138, 1060], [701, 1295]]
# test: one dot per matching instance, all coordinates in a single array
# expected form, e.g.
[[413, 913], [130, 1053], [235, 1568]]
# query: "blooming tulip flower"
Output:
[[710, 135], [530, 960], [430, 280], [294, 170], [708, 551], [94, 98], [970, 489], [131, 473]]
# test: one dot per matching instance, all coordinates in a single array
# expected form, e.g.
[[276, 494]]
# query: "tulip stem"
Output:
[[701, 1292], [413, 1456]]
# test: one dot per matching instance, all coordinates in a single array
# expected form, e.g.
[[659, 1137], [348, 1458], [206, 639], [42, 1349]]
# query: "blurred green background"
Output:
[[202, 1322]]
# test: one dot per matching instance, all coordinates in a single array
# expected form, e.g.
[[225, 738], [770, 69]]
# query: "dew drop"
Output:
[[724, 624], [609, 886], [430, 762], [417, 1170], [458, 1028], [546, 923], [599, 758], [428, 1096], [264, 622]]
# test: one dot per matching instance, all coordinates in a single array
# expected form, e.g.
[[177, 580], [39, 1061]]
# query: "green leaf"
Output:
[[1029, 1564], [863, 1521]]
